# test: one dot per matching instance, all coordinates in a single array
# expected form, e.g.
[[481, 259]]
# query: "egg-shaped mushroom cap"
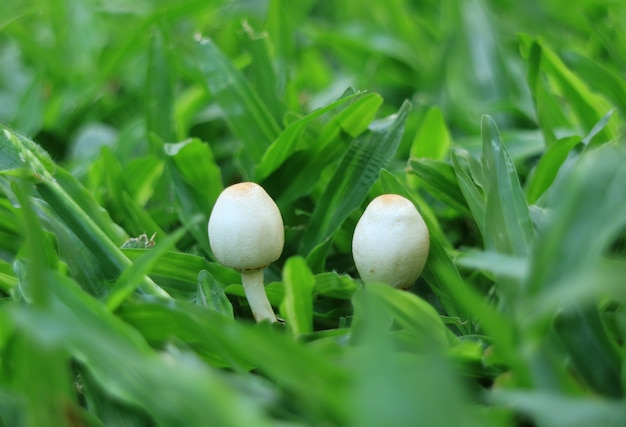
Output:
[[391, 241], [246, 229]]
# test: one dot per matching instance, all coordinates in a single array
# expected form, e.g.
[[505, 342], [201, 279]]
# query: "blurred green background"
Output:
[[78, 69]]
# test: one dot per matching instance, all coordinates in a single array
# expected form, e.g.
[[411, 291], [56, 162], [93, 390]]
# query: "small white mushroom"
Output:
[[246, 233], [391, 241]]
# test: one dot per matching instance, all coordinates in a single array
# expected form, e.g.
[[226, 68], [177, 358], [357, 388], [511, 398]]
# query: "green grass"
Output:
[[502, 121]]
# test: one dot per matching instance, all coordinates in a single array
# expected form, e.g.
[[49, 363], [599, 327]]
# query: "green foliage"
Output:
[[123, 121]]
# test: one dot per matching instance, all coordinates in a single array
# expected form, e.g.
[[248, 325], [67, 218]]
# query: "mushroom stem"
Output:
[[257, 298]]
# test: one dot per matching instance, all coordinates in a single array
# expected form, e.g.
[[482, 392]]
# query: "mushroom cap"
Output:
[[391, 241], [246, 229]]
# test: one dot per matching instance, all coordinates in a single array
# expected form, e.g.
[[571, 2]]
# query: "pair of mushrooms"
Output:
[[390, 243]]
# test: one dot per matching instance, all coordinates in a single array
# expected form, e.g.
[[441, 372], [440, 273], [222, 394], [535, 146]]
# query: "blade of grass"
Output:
[[314, 382], [548, 167], [433, 139], [297, 305], [196, 181], [589, 213], [247, 115], [358, 170], [25, 155], [263, 70], [329, 148], [159, 93], [211, 295], [289, 142], [39, 250], [591, 203], [589, 107], [128, 369], [439, 178], [510, 229], [412, 313], [472, 192], [179, 271]]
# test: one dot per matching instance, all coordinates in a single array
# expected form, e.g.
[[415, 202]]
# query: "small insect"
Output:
[[141, 242]]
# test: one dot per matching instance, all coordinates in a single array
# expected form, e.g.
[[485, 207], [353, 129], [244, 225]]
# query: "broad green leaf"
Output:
[[244, 110], [297, 305], [354, 119], [358, 170], [508, 228], [329, 149], [289, 141], [432, 140]]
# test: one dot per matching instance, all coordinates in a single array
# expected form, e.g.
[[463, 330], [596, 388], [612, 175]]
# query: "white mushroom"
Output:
[[246, 233], [391, 241]]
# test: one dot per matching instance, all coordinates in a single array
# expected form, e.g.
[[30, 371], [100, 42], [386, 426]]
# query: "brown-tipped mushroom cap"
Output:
[[245, 228], [390, 243]]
